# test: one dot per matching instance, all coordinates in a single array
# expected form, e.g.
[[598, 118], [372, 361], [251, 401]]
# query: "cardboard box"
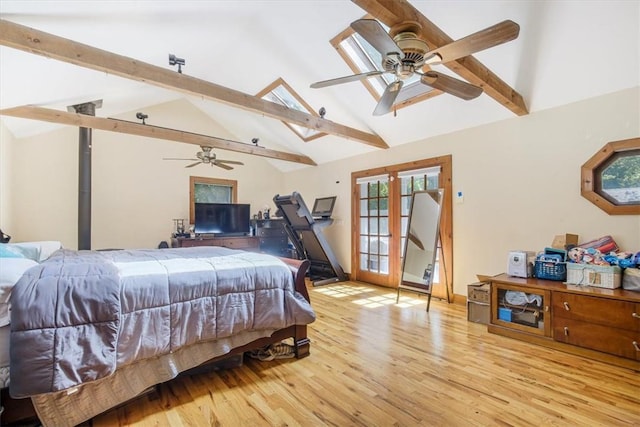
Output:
[[479, 292], [478, 312], [564, 241]]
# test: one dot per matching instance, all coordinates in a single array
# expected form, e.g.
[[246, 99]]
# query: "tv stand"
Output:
[[247, 243]]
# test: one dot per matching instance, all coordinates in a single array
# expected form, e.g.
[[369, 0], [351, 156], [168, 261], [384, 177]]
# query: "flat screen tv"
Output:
[[226, 219]]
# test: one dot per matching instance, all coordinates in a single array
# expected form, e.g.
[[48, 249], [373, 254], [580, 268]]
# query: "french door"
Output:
[[381, 200]]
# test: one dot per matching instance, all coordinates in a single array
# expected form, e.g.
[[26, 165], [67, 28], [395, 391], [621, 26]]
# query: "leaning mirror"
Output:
[[421, 244]]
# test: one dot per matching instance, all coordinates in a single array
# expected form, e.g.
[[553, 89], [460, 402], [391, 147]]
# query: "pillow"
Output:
[[44, 249], [11, 270], [11, 251]]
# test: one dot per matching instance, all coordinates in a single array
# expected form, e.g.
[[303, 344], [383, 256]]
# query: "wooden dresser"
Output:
[[247, 243], [602, 324]]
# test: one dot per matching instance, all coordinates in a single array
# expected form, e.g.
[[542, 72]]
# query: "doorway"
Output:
[[380, 210]]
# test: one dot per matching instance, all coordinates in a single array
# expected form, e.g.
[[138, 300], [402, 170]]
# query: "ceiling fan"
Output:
[[404, 54], [207, 157]]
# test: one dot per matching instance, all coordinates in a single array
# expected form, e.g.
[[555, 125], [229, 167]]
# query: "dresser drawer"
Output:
[[620, 342], [271, 231], [274, 241], [601, 311]]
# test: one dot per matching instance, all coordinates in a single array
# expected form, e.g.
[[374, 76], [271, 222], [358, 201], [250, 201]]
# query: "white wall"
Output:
[[520, 179]]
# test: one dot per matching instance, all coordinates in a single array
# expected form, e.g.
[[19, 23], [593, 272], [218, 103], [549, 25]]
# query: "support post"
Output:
[[84, 174]]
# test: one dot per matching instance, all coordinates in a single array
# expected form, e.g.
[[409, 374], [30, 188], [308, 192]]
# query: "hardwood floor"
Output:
[[374, 363]]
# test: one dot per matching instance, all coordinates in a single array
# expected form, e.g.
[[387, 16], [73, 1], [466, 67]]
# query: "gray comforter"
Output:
[[80, 315]]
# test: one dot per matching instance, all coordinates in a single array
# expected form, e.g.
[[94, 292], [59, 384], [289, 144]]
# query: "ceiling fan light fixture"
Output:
[[413, 48]]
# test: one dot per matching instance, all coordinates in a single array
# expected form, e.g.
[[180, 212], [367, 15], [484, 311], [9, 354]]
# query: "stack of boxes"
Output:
[[478, 296]]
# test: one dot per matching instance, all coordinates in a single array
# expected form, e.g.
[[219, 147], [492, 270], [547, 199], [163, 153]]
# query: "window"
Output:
[[281, 93], [611, 178], [210, 190], [361, 57]]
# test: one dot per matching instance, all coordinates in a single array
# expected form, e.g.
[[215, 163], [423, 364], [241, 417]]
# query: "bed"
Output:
[[91, 330]]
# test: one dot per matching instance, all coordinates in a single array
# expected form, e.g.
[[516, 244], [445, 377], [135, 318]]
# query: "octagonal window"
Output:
[[611, 178], [619, 178]]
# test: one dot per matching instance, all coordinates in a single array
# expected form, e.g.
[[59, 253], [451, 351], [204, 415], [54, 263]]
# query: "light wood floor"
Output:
[[374, 363]]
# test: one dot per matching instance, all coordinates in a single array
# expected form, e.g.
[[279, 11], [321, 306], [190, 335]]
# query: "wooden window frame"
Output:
[[280, 82], [193, 180], [589, 187]]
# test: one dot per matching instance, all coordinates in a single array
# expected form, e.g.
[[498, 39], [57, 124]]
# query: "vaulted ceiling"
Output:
[[566, 52]]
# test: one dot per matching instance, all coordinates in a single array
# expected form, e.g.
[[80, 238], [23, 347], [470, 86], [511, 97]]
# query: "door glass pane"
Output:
[[384, 246], [364, 226], [384, 226], [364, 209], [373, 190], [405, 203], [373, 207], [373, 225], [373, 245], [364, 265], [364, 244]]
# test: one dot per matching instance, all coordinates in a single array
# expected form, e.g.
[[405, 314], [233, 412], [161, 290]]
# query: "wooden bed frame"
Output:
[[21, 410]]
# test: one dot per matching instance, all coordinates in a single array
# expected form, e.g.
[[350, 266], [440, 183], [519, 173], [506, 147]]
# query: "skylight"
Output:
[[281, 93], [361, 57]]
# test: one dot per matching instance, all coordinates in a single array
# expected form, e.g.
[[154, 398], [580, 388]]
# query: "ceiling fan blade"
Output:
[[193, 164], [376, 36], [221, 165], [451, 85], [483, 39], [388, 98], [231, 162], [346, 79], [174, 158]]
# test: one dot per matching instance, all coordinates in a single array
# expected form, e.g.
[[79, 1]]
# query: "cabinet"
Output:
[[603, 324], [247, 243], [272, 236], [522, 308]]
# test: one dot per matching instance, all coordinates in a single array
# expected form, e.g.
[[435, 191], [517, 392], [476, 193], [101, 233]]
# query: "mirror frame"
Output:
[[588, 179], [426, 287]]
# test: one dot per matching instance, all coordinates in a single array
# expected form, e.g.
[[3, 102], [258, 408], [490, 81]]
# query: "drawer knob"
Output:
[[566, 306], [635, 344], [566, 331], [636, 315]]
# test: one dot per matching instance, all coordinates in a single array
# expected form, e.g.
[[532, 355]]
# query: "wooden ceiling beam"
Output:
[[393, 12], [30, 40], [149, 131]]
